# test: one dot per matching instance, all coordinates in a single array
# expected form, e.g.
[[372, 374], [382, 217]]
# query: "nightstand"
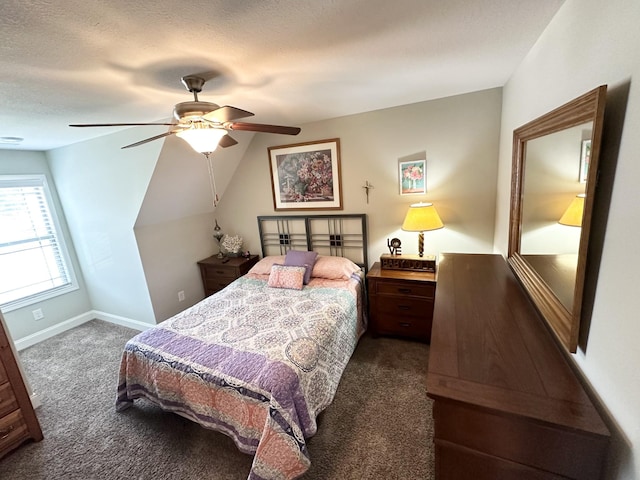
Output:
[[401, 302], [216, 275]]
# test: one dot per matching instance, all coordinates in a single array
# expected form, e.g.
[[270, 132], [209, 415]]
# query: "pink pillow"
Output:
[[284, 276], [334, 268], [263, 267]]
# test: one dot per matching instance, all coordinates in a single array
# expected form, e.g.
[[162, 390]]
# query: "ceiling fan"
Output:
[[203, 125]]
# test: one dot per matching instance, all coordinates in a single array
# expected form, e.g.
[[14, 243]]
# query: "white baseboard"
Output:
[[54, 330], [123, 321]]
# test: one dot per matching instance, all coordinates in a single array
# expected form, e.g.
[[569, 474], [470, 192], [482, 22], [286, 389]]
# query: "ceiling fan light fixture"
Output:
[[202, 139]]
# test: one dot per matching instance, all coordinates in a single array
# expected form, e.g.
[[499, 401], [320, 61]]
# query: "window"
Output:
[[34, 262]]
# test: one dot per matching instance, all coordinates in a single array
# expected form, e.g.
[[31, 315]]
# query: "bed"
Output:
[[260, 359]]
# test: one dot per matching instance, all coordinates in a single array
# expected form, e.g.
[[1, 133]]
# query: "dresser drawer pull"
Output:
[[404, 307], [404, 290], [405, 324], [6, 432]]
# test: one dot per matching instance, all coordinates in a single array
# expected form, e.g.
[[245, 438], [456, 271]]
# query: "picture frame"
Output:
[[306, 176], [412, 177], [585, 155]]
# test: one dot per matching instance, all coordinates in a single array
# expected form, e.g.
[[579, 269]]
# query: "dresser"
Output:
[[217, 273], [401, 302], [18, 422], [507, 403]]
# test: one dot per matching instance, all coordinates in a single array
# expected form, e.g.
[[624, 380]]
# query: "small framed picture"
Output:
[[306, 176], [412, 177], [585, 154]]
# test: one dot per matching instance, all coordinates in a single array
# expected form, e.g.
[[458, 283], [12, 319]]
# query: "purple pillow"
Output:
[[299, 258]]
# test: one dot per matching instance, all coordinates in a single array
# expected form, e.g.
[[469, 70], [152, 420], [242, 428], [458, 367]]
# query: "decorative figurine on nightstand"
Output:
[[231, 246], [218, 234], [394, 246]]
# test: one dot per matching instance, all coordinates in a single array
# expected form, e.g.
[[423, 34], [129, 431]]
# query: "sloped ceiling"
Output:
[[180, 186], [288, 61]]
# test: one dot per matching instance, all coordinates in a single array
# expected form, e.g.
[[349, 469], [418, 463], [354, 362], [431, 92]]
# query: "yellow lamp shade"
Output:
[[422, 217], [572, 216]]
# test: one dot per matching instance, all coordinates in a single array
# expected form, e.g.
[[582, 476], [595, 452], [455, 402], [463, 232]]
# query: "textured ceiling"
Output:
[[288, 61]]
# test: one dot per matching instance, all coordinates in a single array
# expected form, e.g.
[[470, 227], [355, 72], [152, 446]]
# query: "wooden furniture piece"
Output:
[[401, 302], [217, 273], [18, 421], [507, 403]]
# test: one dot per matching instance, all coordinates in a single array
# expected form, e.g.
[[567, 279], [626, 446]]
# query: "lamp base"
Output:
[[415, 263]]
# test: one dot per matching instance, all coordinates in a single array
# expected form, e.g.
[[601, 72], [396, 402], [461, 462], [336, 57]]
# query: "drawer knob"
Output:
[[6, 432]]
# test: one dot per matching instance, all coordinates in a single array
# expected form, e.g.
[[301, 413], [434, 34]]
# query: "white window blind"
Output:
[[34, 262]]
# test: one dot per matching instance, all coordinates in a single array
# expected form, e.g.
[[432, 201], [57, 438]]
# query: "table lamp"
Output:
[[421, 217]]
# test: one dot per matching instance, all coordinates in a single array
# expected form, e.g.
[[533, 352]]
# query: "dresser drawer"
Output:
[[406, 288], [414, 327], [8, 402], [13, 430], [3, 374]]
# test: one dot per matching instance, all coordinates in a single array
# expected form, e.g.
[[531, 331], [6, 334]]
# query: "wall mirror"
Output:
[[553, 181]]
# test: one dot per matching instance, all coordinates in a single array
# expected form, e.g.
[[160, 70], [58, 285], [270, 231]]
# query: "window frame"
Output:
[[41, 180]]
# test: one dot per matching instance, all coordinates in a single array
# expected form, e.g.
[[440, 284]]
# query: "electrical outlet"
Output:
[[181, 296], [37, 314]]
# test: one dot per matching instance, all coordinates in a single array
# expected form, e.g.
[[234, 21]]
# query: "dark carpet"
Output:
[[378, 426]]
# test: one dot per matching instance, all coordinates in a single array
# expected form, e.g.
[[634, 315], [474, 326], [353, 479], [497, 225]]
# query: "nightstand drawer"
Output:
[[217, 273], [406, 288], [13, 429], [212, 276], [405, 306], [8, 402], [414, 327], [401, 302]]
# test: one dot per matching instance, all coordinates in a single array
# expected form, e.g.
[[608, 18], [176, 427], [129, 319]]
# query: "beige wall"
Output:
[[587, 44], [101, 189], [458, 135]]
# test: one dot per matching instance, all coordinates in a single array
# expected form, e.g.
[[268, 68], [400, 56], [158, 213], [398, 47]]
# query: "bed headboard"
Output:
[[332, 235]]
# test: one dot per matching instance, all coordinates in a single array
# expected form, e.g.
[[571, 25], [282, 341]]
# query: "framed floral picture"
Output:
[[585, 154], [306, 176], [412, 177]]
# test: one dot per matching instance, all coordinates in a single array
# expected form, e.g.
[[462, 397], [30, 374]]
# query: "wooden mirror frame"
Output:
[[589, 107]]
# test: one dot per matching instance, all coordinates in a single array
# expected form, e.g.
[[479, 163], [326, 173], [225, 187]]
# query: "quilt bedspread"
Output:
[[254, 362]]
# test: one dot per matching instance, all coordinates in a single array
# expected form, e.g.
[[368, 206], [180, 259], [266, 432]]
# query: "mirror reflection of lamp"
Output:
[[572, 216], [421, 217]]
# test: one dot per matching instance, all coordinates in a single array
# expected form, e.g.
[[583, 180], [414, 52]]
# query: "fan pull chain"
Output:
[[212, 179]]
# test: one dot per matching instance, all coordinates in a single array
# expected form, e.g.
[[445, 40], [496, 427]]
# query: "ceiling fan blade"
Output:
[[116, 124], [226, 114], [260, 127], [227, 141], [150, 139]]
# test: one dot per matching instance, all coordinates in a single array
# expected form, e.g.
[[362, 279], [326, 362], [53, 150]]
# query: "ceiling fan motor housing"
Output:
[[192, 110]]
